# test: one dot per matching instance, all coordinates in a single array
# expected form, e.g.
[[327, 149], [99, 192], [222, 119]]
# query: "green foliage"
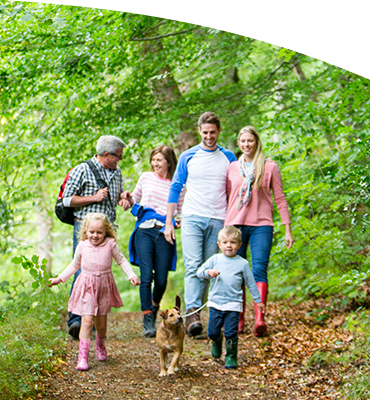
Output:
[[69, 74], [357, 379], [30, 341], [36, 270]]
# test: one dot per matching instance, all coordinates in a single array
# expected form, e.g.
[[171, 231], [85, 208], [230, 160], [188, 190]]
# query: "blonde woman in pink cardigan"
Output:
[[250, 181]]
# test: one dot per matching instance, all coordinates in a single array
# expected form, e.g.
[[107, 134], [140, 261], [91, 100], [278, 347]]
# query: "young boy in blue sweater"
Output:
[[225, 298]]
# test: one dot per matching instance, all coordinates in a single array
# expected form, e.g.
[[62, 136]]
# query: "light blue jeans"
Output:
[[199, 242]]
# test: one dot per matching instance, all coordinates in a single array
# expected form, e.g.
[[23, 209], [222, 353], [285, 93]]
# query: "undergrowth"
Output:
[[30, 340]]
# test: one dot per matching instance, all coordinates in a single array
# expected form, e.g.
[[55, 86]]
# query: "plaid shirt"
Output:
[[82, 182]]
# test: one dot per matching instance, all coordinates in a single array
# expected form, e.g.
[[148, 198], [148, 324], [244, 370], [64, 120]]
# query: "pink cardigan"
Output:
[[259, 210]]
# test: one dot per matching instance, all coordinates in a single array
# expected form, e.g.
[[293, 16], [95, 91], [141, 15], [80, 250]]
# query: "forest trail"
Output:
[[272, 367]]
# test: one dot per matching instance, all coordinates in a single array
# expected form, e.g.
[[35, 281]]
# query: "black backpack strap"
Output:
[[101, 182]]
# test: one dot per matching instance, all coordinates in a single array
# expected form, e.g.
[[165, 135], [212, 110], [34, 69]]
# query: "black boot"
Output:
[[155, 311], [149, 325]]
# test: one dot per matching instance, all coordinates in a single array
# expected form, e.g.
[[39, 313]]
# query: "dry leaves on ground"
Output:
[[273, 367]]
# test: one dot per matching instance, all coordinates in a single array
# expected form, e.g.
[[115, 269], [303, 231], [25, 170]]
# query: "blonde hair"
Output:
[[259, 158], [230, 231], [109, 230]]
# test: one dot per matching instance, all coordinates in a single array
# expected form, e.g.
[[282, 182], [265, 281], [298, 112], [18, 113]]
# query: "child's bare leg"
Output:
[[101, 325], [87, 323]]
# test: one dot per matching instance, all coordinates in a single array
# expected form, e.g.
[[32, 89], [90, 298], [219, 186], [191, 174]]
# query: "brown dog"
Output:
[[170, 338]]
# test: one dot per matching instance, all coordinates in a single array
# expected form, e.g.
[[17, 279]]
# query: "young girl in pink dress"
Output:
[[95, 290]]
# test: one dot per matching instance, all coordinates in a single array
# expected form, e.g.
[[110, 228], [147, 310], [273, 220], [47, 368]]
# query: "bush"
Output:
[[30, 341]]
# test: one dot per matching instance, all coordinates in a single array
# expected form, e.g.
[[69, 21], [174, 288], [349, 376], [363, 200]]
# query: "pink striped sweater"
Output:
[[152, 191]]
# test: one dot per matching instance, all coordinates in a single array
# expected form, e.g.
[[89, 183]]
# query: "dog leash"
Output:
[[200, 308]]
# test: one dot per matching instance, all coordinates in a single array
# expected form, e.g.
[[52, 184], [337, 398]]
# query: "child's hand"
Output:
[[261, 307], [135, 281], [213, 273], [54, 281]]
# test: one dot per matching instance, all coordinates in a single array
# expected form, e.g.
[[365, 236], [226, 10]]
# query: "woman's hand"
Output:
[[288, 236], [126, 200], [54, 281], [135, 281], [178, 223]]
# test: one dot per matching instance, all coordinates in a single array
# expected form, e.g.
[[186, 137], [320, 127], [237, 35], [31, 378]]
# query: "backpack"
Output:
[[65, 214]]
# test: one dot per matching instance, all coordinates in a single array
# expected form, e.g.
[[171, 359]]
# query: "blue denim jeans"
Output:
[[76, 229], [155, 259], [218, 319], [199, 242], [260, 240]]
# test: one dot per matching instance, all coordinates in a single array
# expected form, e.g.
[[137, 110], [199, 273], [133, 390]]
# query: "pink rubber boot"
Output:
[[101, 351], [83, 355]]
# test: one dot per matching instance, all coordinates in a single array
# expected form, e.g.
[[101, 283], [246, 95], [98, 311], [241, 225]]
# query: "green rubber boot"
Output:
[[231, 353], [217, 347]]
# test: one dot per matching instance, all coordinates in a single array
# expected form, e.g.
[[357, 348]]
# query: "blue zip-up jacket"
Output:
[[143, 214]]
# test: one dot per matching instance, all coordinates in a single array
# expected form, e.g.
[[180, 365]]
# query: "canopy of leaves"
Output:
[[71, 74]]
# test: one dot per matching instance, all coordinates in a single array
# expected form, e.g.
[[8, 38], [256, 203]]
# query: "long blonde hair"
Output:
[[109, 230], [259, 158]]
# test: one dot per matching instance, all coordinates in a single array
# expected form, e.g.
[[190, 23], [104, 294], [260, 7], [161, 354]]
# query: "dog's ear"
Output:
[[164, 314], [178, 302], [176, 308]]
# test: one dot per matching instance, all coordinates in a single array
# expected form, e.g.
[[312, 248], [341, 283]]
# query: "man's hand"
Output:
[[101, 195], [169, 233]]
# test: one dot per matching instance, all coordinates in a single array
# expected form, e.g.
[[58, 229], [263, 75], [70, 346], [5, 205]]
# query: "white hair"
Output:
[[109, 143]]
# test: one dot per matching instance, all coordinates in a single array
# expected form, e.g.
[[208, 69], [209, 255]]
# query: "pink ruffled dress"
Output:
[[95, 291]]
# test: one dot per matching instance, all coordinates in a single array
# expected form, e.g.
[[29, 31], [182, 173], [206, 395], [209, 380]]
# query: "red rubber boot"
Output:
[[260, 327], [241, 315]]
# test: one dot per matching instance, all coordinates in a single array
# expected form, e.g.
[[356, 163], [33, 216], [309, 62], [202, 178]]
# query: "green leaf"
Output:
[[27, 264], [27, 17], [35, 259], [35, 285], [33, 272], [286, 54], [16, 260]]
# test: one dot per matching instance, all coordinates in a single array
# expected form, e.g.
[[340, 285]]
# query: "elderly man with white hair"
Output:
[[101, 191]]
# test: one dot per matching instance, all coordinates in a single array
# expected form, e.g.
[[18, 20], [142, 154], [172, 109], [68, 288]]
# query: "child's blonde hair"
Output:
[[230, 231], [109, 230]]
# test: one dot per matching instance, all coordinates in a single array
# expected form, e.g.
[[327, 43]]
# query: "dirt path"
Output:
[[273, 367]]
